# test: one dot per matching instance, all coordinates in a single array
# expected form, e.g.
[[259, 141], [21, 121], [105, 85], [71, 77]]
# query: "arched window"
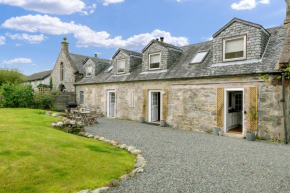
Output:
[[61, 72]]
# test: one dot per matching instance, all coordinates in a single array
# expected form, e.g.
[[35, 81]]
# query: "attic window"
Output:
[[234, 48], [199, 57], [110, 69], [89, 71], [121, 66], [154, 61]]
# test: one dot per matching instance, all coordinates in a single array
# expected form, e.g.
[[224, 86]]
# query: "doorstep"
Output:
[[234, 135]]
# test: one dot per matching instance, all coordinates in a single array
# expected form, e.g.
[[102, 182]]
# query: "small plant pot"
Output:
[[221, 133], [142, 119], [251, 137], [216, 131], [162, 123]]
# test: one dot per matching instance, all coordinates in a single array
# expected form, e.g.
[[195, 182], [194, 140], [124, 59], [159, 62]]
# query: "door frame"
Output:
[[108, 103], [226, 90], [150, 104]]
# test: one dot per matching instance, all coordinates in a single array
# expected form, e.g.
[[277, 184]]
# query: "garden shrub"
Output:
[[16, 95], [44, 101], [11, 76]]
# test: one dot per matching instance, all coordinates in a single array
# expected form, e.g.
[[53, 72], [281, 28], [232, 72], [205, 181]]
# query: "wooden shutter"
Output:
[[165, 104], [253, 99], [144, 104], [220, 107]]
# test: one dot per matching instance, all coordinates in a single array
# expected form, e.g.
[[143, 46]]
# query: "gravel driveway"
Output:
[[185, 161]]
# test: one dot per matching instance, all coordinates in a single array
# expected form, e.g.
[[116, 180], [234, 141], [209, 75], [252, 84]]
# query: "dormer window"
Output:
[[234, 49], [154, 61], [199, 57], [89, 71], [121, 66]]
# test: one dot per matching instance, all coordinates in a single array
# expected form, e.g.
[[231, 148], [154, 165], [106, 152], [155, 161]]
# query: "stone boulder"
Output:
[[59, 124], [136, 152], [90, 136], [97, 137], [114, 183], [55, 114], [114, 143], [131, 148], [53, 125], [123, 146]]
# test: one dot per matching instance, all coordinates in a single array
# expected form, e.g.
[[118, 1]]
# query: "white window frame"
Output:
[[156, 53], [204, 51], [233, 38], [118, 66], [91, 71]]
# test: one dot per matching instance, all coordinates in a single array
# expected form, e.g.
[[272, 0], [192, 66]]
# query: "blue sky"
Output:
[[31, 31]]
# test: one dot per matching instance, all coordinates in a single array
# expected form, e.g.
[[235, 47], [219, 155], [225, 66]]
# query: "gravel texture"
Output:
[[185, 161]]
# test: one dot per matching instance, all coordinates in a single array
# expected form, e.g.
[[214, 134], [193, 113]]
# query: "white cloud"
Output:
[[248, 4], [26, 37], [58, 7], [86, 36], [107, 2], [18, 61], [2, 40]]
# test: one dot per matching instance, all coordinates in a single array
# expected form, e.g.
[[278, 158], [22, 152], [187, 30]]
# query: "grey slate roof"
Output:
[[163, 44], [129, 52], [240, 21], [39, 75], [183, 69], [78, 61]]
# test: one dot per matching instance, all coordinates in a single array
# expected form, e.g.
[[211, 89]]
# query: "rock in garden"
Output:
[[97, 137], [140, 164], [114, 183], [124, 178], [53, 125], [102, 139], [72, 122], [114, 143], [47, 114], [140, 159], [131, 148], [64, 118], [55, 114], [99, 190], [87, 134], [136, 152], [90, 136], [82, 133], [80, 124], [67, 122], [123, 146], [59, 124], [140, 170], [108, 141]]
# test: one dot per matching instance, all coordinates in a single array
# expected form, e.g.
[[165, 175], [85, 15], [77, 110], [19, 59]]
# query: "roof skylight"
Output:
[[110, 69], [199, 57]]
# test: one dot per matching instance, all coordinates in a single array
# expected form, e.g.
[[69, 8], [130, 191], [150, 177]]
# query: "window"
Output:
[[154, 61], [121, 66], [61, 72], [239, 102], [89, 71], [234, 49], [81, 97], [110, 69], [199, 57]]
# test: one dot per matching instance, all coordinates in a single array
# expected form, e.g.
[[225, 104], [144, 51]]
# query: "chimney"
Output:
[[64, 45], [96, 55], [157, 39], [285, 55], [287, 20], [162, 39]]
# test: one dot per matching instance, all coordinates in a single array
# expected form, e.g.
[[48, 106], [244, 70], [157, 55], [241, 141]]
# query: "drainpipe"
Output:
[[284, 108]]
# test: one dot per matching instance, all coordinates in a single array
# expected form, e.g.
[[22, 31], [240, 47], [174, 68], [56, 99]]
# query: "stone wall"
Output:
[[192, 103], [255, 41], [69, 76]]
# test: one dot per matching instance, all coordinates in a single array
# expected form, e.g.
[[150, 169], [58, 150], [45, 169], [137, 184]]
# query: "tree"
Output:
[[11, 76]]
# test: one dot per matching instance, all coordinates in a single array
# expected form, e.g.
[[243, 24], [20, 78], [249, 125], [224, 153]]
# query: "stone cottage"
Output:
[[39, 78], [231, 82]]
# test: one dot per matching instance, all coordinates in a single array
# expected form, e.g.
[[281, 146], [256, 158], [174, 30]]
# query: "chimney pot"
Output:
[[64, 45], [162, 39], [96, 55], [157, 39]]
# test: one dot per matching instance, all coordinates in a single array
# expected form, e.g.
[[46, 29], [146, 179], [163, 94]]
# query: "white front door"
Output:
[[112, 104], [155, 106]]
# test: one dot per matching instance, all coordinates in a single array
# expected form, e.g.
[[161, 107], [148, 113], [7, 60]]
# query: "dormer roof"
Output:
[[240, 21], [162, 44], [129, 52]]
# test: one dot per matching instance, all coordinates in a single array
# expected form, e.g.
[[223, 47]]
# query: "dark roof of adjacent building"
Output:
[[163, 44], [129, 52], [39, 75], [183, 68], [240, 21]]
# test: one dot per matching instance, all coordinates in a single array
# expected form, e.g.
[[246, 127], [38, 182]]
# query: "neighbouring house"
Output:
[[39, 78]]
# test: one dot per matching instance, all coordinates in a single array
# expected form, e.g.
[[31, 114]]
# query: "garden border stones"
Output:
[[140, 160], [138, 168]]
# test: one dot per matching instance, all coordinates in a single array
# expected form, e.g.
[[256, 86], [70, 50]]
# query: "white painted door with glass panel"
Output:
[[112, 104], [155, 106]]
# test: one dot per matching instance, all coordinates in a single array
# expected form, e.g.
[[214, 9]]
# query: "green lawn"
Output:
[[37, 158]]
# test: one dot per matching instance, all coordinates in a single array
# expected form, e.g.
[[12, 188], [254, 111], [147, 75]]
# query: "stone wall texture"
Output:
[[69, 76], [192, 103], [256, 41]]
